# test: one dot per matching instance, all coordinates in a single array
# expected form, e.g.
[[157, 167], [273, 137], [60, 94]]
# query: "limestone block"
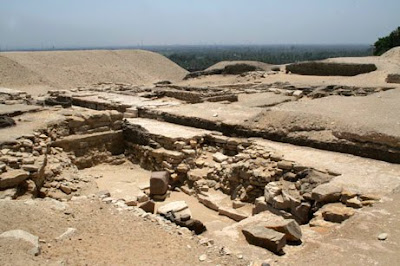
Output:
[[159, 183]]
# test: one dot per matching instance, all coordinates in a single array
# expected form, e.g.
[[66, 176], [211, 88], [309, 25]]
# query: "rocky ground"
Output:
[[133, 174]]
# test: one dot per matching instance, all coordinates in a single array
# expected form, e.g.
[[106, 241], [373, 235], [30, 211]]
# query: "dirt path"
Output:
[[104, 236]]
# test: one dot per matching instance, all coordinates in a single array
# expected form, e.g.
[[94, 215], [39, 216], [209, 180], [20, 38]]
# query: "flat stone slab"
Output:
[[168, 130], [216, 112], [264, 237], [16, 109], [357, 173]]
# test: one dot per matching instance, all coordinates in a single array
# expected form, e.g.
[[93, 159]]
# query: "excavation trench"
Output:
[[224, 182]]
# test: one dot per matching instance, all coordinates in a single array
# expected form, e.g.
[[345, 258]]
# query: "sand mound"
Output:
[[256, 64], [69, 69], [393, 54]]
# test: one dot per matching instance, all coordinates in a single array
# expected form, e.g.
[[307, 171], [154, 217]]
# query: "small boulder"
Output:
[[147, 206], [159, 183], [219, 157], [336, 213], [289, 227], [25, 236], [326, 193], [12, 178], [264, 237]]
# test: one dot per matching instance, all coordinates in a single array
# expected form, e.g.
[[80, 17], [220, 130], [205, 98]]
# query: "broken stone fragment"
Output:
[[147, 206], [182, 168], [232, 213], [272, 189], [326, 193], [67, 234], [354, 203], [66, 189], [219, 157], [12, 178], [159, 183], [285, 165], [264, 237], [289, 227], [197, 174]]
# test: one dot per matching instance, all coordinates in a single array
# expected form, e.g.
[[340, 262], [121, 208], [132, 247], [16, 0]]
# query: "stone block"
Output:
[[265, 238], [159, 183], [147, 206], [12, 178]]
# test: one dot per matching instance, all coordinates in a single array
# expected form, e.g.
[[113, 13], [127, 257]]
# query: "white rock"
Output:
[[25, 236], [382, 236], [202, 257], [219, 157]]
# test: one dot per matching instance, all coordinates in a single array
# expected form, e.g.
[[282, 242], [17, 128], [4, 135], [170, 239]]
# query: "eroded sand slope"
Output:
[[37, 72]]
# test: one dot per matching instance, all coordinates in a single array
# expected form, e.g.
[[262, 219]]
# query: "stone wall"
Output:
[[317, 68], [393, 78]]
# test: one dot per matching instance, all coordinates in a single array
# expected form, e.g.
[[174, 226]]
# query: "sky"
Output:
[[102, 23]]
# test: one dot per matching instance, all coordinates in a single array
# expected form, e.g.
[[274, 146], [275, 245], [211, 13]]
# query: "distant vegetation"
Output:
[[194, 58], [386, 43]]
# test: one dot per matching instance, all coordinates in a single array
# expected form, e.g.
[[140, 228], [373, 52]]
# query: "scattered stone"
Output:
[[66, 189], [285, 165], [326, 193], [354, 203], [383, 236], [147, 206], [67, 234], [142, 197], [25, 236], [289, 227], [202, 257], [219, 157], [336, 213], [264, 237], [232, 213], [237, 204]]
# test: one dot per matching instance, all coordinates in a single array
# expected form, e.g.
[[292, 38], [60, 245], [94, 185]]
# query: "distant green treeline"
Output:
[[194, 58]]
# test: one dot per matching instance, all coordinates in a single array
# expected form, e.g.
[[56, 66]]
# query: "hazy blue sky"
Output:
[[71, 23]]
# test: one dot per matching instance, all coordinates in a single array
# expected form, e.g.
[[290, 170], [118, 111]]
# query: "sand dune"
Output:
[[37, 72]]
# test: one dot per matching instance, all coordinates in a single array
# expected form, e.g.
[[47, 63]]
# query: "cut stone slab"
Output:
[[159, 183], [212, 201], [326, 193], [12, 178], [179, 209], [25, 236], [264, 237], [219, 157], [174, 206], [232, 213]]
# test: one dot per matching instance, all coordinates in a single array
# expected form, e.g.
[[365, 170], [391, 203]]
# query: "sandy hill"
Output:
[[38, 71], [392, 54]]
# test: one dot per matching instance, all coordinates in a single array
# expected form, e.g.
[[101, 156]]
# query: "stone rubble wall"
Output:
[[318, 68], [371, 148], [393, 78], [82, 139], [235, 166]]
